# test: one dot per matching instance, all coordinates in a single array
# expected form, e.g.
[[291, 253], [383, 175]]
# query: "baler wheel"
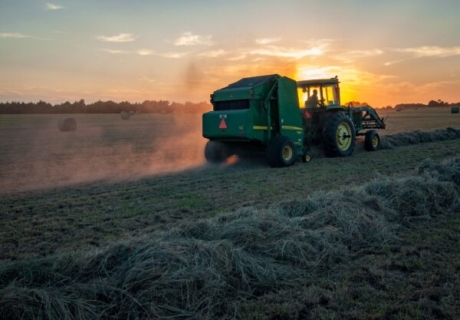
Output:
[[216, 151], [281, 152]]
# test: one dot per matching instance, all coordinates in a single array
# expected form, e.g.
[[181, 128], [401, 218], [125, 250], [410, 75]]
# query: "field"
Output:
[[123, 219]]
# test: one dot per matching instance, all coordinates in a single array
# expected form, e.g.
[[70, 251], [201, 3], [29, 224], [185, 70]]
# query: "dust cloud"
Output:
[[37, 155]]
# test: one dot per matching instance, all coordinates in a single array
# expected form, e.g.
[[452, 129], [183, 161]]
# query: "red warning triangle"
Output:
[[223, 124]]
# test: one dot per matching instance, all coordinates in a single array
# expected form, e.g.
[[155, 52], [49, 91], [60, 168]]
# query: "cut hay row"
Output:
[[209, 269], [415, 137]]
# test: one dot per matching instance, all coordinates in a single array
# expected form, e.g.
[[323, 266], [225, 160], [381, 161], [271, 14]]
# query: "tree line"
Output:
[[152, 106], [148, 106], [431, 103]]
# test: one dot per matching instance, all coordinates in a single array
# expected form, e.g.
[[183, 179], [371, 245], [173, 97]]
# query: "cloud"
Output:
[[275, 51], [431, 51], [353, 55], [15, 35], [171, 55], [174, 55], [364, 53], [18, 35], [265, 41], [51, 6], [145, 52], [122, 37], [114, 51], [190, 39], [390, 63], [267, 49], [237, 58], [213, 54]]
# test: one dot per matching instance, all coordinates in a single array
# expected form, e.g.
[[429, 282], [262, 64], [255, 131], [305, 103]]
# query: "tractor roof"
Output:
[[251, 82], [317, 82]]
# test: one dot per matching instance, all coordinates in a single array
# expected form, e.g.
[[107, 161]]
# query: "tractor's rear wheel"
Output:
[[281, 152], [371, 140], [216, 151], [339, 135]]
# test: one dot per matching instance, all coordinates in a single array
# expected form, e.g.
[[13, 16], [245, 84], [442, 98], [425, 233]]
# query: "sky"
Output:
[[383, 52]]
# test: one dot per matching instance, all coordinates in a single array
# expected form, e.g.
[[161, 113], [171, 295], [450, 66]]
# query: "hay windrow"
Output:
[[205, 269], [415, 137], [448, 171]]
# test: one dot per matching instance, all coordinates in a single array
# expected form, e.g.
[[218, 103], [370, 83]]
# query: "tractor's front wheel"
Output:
[[371, 140], [306, 157], [216, 151], [281, 152], [339, 135]]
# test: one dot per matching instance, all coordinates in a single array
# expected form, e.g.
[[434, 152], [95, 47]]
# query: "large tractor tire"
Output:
[[339, 135], [281, 152], [216, 151], [371, 140]]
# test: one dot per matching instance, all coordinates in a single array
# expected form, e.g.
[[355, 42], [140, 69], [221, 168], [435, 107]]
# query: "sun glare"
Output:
[[347, 93], [307, 73]]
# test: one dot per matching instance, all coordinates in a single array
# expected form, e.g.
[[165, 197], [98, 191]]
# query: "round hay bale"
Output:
[[455, 109], [67, 124], [125, 115]]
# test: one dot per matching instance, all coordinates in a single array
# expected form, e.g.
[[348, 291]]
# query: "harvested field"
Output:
[[159, 234], [422, 119], [38, 156]]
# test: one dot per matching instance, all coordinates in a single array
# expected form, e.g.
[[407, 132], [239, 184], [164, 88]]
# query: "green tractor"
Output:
[[263, 114]]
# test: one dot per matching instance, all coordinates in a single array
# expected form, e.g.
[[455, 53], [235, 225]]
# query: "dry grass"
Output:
[[215, 267], [415, 137], [382, 242]]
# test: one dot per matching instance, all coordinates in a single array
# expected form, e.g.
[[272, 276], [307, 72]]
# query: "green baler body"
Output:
[[255, 110]]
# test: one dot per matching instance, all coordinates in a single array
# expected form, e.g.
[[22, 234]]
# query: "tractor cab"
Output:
[[319, 93]]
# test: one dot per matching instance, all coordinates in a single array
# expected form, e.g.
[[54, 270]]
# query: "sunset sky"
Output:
[[384, 52]]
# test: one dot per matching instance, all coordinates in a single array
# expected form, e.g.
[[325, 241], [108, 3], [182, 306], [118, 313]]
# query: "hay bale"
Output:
[[67, 124], [125, 115], [455, 109]]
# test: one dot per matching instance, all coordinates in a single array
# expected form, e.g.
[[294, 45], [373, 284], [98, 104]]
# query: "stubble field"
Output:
[[86, 210]]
